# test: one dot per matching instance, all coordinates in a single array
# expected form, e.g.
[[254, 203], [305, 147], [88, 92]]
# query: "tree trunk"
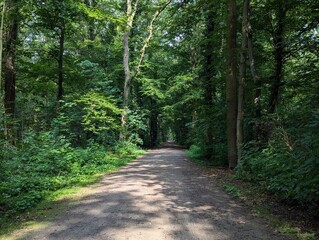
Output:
[[10, 73], [130, 13], [208, 73], [153, 128], [1, 43], [231, 86], [60, 60], [241, 82], [256, 79], [278, 41], [91, 33]]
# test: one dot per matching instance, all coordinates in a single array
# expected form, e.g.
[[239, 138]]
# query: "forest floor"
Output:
[[162, 195]]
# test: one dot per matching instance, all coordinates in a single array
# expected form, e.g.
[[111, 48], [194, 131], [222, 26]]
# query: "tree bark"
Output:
[[153, 127], [231, 86], [91, 33], [1, 43], [10, 56], [208, 73], [241, 82], [60, 61], [130, 14], [278, 42], [257, 82]]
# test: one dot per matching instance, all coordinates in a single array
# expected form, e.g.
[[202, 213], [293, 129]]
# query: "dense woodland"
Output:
[[84, 83]]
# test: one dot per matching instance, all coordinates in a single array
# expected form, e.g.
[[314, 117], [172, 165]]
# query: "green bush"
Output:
[[47, 163], [90, 117], [288, 170], [215, 155], [195, 152]]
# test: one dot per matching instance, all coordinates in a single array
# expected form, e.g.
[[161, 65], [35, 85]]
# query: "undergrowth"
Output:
[[207, 156], [32, 173]]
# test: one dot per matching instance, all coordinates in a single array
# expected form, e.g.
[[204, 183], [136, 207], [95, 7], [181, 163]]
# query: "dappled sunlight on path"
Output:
[[159, 196]]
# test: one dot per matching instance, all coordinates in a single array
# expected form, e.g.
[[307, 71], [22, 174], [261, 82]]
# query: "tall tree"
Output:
[[129, 77], [278, 53], [257, 82], [231, 84], [208, 70], [56, 16], [61, 59], [241, 82], [10, 58], [1, 42]]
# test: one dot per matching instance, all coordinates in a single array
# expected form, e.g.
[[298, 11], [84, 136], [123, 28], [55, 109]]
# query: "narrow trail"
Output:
[[159, 196]]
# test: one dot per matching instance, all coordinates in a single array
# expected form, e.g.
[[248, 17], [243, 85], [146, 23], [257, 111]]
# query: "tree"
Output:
[[279, 53], [1, 42], [231, 85], [56, 16], [209, 70], [241, 82], [130, 14], [10, 58]]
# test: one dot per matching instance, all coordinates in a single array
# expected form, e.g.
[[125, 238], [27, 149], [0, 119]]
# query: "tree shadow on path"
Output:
[[159, 196]]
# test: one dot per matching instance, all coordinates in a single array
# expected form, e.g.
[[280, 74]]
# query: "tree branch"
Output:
[[147, 40]]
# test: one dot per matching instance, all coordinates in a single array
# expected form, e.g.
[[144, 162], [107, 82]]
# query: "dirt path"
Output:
[[159, 196]]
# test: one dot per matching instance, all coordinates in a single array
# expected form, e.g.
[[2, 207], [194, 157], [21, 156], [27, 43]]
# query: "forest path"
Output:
[[161, 195]]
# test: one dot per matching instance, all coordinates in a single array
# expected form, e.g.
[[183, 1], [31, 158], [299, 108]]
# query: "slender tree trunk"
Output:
[[10, 71], [60, 61], [278, 41], [231, 85], [153, 127], [241, 82], [130, 14], [91, 33], [208, 72], [127, 83], [256, 79], [1, 42], [1, 84]]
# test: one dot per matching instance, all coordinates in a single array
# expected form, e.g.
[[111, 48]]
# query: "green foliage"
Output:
[[47, 163], [233, 190], [137, 126], [89, 117], [289, 171], [215, 155], [195, 152], [100, 113]]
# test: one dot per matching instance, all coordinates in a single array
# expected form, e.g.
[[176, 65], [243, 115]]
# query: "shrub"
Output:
[[47, 163], [290, 171]]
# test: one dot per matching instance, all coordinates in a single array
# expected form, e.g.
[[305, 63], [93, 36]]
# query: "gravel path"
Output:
[[159, 196]]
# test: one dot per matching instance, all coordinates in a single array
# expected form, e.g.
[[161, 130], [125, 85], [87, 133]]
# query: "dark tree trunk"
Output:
[[208, 73], [60, 61], [153, 128], [257, 82], [278, 41], [10, 55], [231, 85], [91, 34], [241, 82]]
